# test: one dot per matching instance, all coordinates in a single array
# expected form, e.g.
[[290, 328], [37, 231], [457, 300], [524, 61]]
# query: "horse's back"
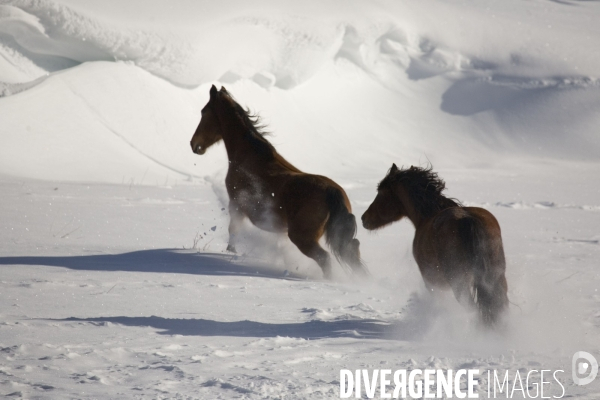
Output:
[[461, 229], [452, 219], [306, 189], [454, 240]]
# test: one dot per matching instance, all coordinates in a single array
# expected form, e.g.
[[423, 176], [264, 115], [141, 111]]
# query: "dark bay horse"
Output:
[[454, 246], [272, 193]]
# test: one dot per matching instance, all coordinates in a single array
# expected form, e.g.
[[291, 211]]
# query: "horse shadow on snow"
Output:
[[160, 261], [218, 264], [412, 327], [405, 329]]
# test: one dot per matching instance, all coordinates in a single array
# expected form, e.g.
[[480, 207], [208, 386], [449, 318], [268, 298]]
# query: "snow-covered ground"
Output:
[[115, 282]]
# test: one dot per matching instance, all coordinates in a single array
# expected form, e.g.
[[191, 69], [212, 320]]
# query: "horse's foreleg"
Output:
[[236, 218]]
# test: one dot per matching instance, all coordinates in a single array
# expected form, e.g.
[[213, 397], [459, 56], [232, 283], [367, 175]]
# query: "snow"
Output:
[[115, 281]]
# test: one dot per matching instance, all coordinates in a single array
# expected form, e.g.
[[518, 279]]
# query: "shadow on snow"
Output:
[[215, 264], [363, 328], [160, 261]]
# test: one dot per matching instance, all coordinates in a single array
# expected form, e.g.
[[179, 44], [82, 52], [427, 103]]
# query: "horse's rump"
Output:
[[480, 239], [323, 195]]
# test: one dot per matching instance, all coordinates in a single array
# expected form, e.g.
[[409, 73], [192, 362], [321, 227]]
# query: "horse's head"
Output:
[[209, 129], [386, 208]]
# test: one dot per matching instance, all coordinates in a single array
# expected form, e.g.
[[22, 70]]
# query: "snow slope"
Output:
[[405, 72], [115, 283]]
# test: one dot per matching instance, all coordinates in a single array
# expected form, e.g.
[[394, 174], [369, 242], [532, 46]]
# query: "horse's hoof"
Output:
[[231, 248]]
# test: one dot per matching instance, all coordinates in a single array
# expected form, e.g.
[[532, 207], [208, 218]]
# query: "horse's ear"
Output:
[[394, 168], [213, 91], [223, 90]]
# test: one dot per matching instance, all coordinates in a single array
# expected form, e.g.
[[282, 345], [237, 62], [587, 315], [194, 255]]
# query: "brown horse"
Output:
[[454, 246], [271, 192]]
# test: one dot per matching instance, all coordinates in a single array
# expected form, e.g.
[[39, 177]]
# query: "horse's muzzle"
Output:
[[198, 149], [362, 218], [365, 222]]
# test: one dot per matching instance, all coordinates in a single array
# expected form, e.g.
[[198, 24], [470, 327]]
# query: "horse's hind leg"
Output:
[[464, 290], [491, 298], [482, 258], [310, 247], [487, 297]]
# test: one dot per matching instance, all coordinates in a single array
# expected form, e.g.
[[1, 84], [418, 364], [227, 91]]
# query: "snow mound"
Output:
[[41, 37], [118, 134], [458, 86]]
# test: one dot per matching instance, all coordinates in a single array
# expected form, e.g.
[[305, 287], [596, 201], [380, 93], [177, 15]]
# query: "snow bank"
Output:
[[458, 85], [73, 131]]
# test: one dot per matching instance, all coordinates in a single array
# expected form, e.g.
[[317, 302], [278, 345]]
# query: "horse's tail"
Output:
[[488, 264], [340, 232]]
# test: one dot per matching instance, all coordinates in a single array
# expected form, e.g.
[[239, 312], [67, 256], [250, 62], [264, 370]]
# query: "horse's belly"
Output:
[[256, 202], [266, 218]]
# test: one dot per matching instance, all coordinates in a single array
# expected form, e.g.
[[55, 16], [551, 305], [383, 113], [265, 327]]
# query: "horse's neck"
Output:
[[411, 211], [236, 145], [241, 150]]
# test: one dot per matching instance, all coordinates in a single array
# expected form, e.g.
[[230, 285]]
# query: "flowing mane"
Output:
[[256, 132], [424, 187], [255, 129]]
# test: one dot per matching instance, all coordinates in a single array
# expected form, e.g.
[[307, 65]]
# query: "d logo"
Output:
[[584, 362]]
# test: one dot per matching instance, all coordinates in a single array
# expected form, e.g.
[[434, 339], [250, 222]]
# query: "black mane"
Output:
[[255, 129], [424, 187]]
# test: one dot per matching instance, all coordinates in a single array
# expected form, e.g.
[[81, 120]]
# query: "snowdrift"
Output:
[[111, 92]]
